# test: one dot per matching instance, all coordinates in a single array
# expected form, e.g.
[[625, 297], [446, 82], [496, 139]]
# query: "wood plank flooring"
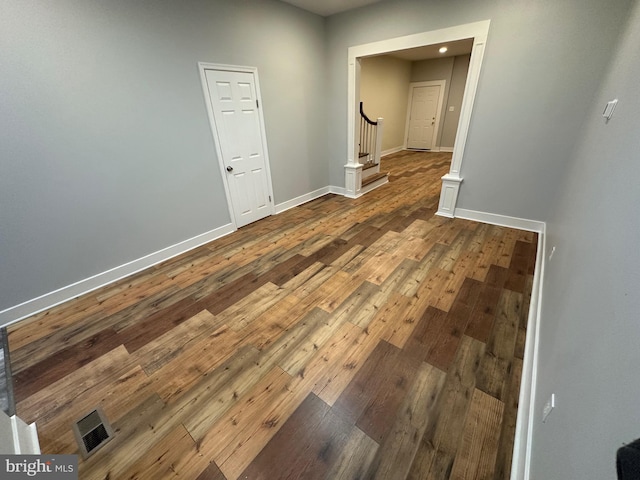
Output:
[[342, 339], [6, 387]]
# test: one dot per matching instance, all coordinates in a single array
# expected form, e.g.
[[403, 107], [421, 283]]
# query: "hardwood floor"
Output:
[[6, 391], [343, 339]]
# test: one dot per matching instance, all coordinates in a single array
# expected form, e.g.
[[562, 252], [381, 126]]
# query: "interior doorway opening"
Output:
[[474, 32]]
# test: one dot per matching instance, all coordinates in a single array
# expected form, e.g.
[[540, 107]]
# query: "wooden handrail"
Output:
[[369, 121]]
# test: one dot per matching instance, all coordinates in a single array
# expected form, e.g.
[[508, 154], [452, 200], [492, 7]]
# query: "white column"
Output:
[[353, 180], [353, 168], [449, 195], [451, 181], [16, 437]]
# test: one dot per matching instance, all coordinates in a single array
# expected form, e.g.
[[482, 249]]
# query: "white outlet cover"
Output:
[[609, 108], [548, 407]]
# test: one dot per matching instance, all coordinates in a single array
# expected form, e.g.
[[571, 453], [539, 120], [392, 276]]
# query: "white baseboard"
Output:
[[425, 150], [384, 153], [501, 220], [25, 437], [521, 458], [307, 197], [372, 186], [17, 437], [49, 300], [338, 190], [446, 149]]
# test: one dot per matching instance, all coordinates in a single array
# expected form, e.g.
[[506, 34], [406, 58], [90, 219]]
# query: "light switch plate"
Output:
[[608, 110], [548, 407]]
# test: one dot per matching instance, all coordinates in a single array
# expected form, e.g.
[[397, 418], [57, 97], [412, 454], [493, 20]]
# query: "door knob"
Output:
[[229, 169]]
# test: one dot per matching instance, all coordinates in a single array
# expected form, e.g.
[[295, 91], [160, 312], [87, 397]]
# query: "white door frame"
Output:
[[430, 83], [451, 181], [203, 67]]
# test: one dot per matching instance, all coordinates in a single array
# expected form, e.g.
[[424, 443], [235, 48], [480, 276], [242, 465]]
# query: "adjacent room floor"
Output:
[[343, 338], [6, 394]]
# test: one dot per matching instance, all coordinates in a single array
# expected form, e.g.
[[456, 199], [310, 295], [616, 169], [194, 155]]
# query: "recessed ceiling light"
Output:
[[442, 49]]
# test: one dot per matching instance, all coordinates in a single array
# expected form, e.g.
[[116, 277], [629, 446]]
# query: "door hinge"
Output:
[[269, 197], [257, 104]]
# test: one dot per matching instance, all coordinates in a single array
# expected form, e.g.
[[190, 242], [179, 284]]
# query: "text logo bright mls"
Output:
[[30, 468], [51, 467]]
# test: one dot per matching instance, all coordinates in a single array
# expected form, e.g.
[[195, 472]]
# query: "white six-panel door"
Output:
[[237, 126], [423, 113]]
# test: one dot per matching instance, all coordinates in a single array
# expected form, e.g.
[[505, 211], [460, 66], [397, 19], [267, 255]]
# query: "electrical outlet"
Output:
[[548, 407], [553, 250], [609, 108]]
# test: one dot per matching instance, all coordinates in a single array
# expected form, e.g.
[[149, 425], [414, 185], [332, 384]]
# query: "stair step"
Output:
[[373, 178], [369, 165]]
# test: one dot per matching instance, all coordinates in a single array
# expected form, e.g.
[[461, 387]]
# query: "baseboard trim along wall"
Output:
[[49, 300], [17, 437], [307, 197], [520, 461], [446, 149], [384, 153], [338, 190], [500, 220]]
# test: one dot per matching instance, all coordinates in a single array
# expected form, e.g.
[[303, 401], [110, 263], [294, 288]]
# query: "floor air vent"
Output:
[[92, 431]]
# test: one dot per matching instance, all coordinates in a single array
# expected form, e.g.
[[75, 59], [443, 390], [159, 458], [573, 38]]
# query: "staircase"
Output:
[[369, 152]]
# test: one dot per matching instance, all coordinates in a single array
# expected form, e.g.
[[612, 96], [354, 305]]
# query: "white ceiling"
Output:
[[329, 7], [461, 47]]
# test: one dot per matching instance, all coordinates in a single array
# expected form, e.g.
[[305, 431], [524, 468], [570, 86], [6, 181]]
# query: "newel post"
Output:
[[380, 122]]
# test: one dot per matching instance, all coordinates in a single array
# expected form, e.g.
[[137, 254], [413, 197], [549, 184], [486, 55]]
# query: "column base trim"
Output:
[[449, 195]]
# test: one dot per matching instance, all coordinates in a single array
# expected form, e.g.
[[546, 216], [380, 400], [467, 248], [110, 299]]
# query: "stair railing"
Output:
[[370, 140]]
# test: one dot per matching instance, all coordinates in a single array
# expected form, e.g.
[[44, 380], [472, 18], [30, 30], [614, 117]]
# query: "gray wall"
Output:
[[456, 93], [590, 329], [106, 150], [519, 137]]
